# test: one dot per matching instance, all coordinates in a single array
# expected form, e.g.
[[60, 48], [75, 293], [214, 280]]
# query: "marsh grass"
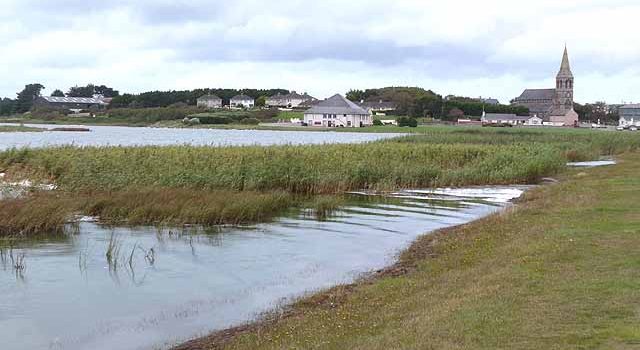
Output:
[[236, 185], [323, 207]]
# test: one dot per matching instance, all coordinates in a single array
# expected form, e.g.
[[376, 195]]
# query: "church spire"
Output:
[[565, 67]]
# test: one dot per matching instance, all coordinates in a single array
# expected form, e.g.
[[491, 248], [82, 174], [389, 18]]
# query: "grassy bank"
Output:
[[560, 271], [20, 128], [437, 157]]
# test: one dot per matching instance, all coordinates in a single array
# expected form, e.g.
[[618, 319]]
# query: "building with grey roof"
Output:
[[554, 106], [71, 103], [290, 100], [337, 111], [378, 106], [242, 101], [209, 101], [629, 115], [512, 119]]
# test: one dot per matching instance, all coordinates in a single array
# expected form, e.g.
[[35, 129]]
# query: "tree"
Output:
[[355, 95], [455, 113], [261, 101], [57, 93], [407, 121], [106, 91], [82, 91], [7, 106], [27, 96]]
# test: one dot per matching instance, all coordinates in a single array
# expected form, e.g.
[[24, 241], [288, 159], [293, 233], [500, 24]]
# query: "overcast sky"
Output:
[[475, 48]]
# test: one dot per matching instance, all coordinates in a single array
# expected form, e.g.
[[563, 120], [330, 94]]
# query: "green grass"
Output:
[[21, 128], [560, 271]]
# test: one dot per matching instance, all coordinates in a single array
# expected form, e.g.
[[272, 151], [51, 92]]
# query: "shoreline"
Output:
[[419, 259], [407, 261]]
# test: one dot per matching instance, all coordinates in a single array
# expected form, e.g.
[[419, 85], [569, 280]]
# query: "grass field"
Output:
[[261, 175], [559, 271]]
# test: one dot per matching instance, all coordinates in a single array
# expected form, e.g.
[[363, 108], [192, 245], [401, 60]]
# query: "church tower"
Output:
[[563, 102]]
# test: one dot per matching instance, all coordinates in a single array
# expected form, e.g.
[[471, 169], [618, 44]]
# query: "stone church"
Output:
[[554, 106]]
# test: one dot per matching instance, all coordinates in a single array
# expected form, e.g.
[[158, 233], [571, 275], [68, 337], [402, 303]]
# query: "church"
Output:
[[553, 106]]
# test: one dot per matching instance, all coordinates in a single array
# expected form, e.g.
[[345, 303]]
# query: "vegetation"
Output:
[[435, 157], [20, 128], [189, 97], [557, 272], [417, 102], [407, 121]]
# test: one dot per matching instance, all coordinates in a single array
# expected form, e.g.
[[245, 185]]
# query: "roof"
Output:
[[630, 106], [84, 100], [503, 116], [491, 101], [242, 98], [538, 94], [337, 104], [208, 98], [565, 67], [378, 105]]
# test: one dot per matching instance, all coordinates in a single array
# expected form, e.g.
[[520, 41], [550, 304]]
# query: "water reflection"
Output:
[[158, 286]]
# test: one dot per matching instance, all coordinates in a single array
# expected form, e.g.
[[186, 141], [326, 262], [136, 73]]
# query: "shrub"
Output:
[[214, 120], [407, 121], [250, 121]]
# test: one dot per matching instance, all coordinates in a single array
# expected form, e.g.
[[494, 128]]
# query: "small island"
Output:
[[20, 128]]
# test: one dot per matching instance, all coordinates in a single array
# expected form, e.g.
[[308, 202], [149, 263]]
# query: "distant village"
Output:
[[552, 107]]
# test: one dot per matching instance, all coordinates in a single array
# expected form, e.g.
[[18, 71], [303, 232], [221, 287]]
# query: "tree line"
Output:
[[189, 97], [417, 102]]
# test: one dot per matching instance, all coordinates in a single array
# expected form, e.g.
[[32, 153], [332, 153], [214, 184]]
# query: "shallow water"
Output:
[[68, 297], [130, 136], [592, 164]]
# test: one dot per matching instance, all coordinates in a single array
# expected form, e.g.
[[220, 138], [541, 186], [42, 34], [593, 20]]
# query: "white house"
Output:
[[291, 100], [210, 101], [629, 115], [241, 101], [337, 111], [511, 119]]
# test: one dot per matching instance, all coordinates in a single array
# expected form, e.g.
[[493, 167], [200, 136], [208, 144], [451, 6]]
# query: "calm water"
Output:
[[128, 136], [68, 297]]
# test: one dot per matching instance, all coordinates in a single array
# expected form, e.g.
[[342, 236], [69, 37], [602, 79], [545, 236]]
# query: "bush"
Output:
[[214, 120], [250, 121], [377, 122], [407, 121]]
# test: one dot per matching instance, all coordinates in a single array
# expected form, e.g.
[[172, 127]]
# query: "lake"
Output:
[[167, 286], [130, 136]]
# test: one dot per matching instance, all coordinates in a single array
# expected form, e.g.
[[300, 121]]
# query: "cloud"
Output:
[[490, 48]]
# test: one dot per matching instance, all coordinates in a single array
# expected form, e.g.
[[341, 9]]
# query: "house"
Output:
[[511, 119], [291, 100], [337, 111], [75, 104], [378, 106], [242, 101], [554, 106], [629, 115], [209, 101], [488, 101]]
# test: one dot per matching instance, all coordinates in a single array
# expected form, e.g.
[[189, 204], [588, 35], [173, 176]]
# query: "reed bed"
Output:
[[50, 212], [307, 170], [232, 185]]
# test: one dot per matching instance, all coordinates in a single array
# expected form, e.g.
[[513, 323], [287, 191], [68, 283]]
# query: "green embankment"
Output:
[[559, 271]]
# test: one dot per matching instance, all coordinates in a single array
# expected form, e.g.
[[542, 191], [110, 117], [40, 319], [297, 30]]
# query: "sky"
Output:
[[490, 48]]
